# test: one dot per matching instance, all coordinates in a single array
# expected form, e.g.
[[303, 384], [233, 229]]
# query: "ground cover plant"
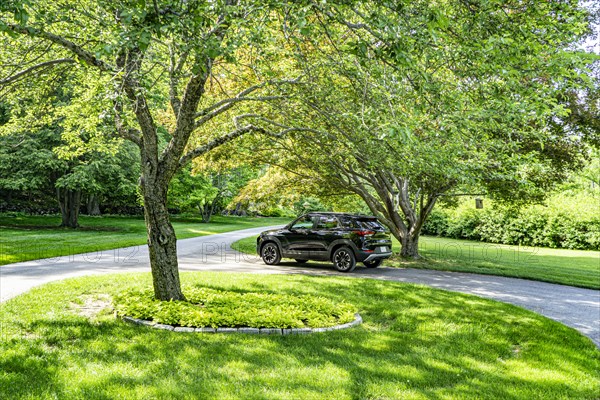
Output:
[[415, 343], [567, 267], [25, 238], [207, 307]]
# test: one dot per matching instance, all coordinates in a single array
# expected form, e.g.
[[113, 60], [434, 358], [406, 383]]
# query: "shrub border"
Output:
[[257, 331]]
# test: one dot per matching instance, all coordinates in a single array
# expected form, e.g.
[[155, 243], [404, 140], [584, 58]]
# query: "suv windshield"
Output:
[[305, 222]]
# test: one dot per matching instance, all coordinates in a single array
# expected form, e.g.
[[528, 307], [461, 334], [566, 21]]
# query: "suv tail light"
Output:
[[364, 233]]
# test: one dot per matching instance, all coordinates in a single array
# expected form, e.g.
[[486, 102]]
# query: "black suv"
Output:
[[340, 238]]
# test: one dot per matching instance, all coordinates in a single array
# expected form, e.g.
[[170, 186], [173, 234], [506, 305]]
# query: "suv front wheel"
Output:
[[344, 260], [270, 254]]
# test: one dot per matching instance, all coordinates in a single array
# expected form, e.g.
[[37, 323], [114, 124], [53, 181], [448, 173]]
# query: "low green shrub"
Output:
[[566, 222], [215, 308], [464, 225], [437, 223]]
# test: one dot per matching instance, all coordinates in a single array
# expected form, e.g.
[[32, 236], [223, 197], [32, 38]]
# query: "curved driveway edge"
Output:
[[575, 307]]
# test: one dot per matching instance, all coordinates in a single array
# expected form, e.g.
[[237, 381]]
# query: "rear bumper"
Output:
[[376, 256]]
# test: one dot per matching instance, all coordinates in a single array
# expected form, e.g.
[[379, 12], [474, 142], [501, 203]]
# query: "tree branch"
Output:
[[33, 68], [84, 55], [193, 93], [286, 129], [126, 133], [220, 107], [175, 68], [218, 142]]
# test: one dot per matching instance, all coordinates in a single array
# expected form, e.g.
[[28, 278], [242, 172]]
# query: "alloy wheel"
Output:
[[343, 260]]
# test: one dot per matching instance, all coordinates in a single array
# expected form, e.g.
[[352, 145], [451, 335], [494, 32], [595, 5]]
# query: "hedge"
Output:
[[558, 226]]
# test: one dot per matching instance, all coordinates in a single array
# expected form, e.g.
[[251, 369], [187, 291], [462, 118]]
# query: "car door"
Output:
[[297, 237], [325, 232]]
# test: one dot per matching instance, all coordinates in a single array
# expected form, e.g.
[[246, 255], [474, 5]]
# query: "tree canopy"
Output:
[[399, 102], [425, 101]]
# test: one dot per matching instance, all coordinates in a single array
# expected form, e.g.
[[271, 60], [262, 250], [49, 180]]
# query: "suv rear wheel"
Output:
[[344, 260], [373, 264], [270, 254]]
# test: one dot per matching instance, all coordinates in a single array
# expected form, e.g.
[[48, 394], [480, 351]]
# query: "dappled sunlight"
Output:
[[570, 267], [40, 237], [415, 342], [198, 231]]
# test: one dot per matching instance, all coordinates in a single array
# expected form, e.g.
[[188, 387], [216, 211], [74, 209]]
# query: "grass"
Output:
[[246, 245], [568, 267], [416, 343], [24, 238]]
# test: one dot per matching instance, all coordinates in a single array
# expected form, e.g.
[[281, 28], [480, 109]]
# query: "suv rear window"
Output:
[[362, 223], [372, 224]]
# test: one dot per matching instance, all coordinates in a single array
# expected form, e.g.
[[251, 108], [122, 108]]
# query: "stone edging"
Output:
[[262, 331]]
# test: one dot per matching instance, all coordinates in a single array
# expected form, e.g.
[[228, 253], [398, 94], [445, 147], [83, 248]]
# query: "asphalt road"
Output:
[[574, 307]]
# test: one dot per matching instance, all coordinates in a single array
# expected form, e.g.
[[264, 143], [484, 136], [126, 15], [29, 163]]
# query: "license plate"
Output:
[[383, 249]]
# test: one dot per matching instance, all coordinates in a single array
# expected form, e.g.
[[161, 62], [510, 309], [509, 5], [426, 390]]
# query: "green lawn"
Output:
[[246, 245], [25, 238], [568, 267], [415, 343]]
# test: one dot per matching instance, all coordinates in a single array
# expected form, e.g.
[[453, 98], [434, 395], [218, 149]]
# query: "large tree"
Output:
[[151, 66], [424, 100], [38, 165]]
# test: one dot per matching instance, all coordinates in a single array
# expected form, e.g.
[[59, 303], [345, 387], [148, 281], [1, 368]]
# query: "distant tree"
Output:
[[28, 166], [52, 146], [206, 191], [30, 163]]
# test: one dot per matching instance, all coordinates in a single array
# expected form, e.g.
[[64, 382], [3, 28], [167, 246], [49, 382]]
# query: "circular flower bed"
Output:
[[207, 307]]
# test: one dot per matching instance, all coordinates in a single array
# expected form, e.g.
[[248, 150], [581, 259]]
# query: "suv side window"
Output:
[[305, 222], [326, 222], [349, 223]]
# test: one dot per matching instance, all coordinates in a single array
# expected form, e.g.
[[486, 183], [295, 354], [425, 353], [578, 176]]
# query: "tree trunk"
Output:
[[238, 209], [162, 244], [93, 205], [206, 212], [69, 202], [410, 247], [208, 209]]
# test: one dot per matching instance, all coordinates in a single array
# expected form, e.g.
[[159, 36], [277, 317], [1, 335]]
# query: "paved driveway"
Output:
[[575, 307]]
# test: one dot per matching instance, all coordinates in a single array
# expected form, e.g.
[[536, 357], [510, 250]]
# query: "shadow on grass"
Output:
[[415, 342], [570, 267]]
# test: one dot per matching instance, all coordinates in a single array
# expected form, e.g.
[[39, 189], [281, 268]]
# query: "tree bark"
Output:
[[162, 244], [93, 205], [208, 209], [410, 246], [206, 212], [69, 202]]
